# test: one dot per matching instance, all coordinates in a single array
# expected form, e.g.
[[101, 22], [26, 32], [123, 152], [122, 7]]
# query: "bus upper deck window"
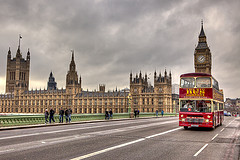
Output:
[[203, 82], [187, 82]]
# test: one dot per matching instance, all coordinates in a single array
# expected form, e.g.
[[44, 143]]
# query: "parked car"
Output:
[[229, 114]]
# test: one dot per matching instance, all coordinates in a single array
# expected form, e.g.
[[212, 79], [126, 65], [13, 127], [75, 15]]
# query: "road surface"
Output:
[[139, 139]]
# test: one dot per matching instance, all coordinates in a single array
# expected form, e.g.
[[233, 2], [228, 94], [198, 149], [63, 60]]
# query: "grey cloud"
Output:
[[111, 37]]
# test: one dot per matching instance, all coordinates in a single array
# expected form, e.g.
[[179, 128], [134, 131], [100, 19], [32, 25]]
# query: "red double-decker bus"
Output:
[[200, 101]]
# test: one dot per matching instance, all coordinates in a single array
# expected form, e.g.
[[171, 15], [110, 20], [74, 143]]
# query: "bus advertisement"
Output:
[[200, 101]]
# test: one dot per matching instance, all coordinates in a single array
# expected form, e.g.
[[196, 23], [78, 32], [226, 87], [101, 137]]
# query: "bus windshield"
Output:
[[195, 106]]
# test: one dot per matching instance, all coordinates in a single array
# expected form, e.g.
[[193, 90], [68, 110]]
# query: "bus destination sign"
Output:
[[195, 93]]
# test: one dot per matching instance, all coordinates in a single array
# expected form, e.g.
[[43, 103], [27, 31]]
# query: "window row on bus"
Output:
[[200, 105], [202, 82]]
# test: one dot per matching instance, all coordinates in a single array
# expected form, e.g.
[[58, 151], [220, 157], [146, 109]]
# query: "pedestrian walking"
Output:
[[51, 117], [156, 113], [138, 113], [61, 113], [111, 113], [162, 113], [70, 113], [67, 115], [135, 113], [46, 116], [106, 115]]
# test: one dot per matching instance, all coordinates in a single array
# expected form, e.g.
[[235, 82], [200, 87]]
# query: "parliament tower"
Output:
[[202, 55], [17, 79]]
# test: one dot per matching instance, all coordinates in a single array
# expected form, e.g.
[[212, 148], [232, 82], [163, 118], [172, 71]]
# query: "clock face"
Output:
[[201, 59]]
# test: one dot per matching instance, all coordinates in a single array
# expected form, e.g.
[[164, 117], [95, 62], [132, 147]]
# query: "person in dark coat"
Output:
[[67, 115], [156, 113], [70, 113], [106, 115], [51, 115], [135, 113], [111, 113], [162, 113], [61, 113], [46, 116]]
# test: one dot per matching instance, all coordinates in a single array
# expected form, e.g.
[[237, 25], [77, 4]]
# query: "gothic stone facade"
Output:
[[19, 99], [148, 98]]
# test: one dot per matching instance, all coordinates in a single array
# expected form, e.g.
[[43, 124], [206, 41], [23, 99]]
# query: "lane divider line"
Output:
[[163, 133], [196, 154], [230, 123], [222, 129], [108, 149], [214, 137], [122, 145], [7, 150]]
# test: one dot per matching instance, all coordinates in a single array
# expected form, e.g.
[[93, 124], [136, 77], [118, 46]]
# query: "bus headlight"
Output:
[[206, 120], [183, 120], [181, 115]]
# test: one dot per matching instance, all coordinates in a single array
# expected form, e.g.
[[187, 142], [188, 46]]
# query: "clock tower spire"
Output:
[[202, 54]]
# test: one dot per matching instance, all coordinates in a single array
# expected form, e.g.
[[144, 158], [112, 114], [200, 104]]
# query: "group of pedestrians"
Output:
[[109, 114], [162, 113], [62, 112], [67, 113]]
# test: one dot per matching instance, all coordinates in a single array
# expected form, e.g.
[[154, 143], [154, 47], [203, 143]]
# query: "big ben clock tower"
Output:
[[202, 55]]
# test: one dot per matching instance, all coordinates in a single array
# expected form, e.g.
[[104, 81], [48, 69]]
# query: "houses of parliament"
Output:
[[144, 96]]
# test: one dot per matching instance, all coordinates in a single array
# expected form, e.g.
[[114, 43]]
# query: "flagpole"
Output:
[[19, 40]]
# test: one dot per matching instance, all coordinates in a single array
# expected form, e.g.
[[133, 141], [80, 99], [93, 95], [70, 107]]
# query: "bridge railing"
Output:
[[40, 119]]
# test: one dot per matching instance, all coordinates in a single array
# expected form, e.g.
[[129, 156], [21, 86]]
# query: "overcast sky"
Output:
[[111, 38]]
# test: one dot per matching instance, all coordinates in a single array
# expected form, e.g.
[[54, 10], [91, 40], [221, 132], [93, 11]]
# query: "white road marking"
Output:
[[6, 150], [162, 133], [73, 129], [222, 129], [214, 137], [122, 145], [230, 123], [196, 154], [108, 149], [43, 142]]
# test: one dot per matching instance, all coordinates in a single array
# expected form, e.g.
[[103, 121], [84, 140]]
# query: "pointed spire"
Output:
[[9, 53], [165, 73], [28, 53], [72, 64], [72, 55], [140, 74], [202, 34]]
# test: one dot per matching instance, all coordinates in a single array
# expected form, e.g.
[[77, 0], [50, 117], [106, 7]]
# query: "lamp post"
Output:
[[129, 102]]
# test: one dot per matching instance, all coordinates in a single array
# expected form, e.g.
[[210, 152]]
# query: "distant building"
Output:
[[148, 98], [232, 102], [175, 97], [175, 89], [52, 85], [18, 99]]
